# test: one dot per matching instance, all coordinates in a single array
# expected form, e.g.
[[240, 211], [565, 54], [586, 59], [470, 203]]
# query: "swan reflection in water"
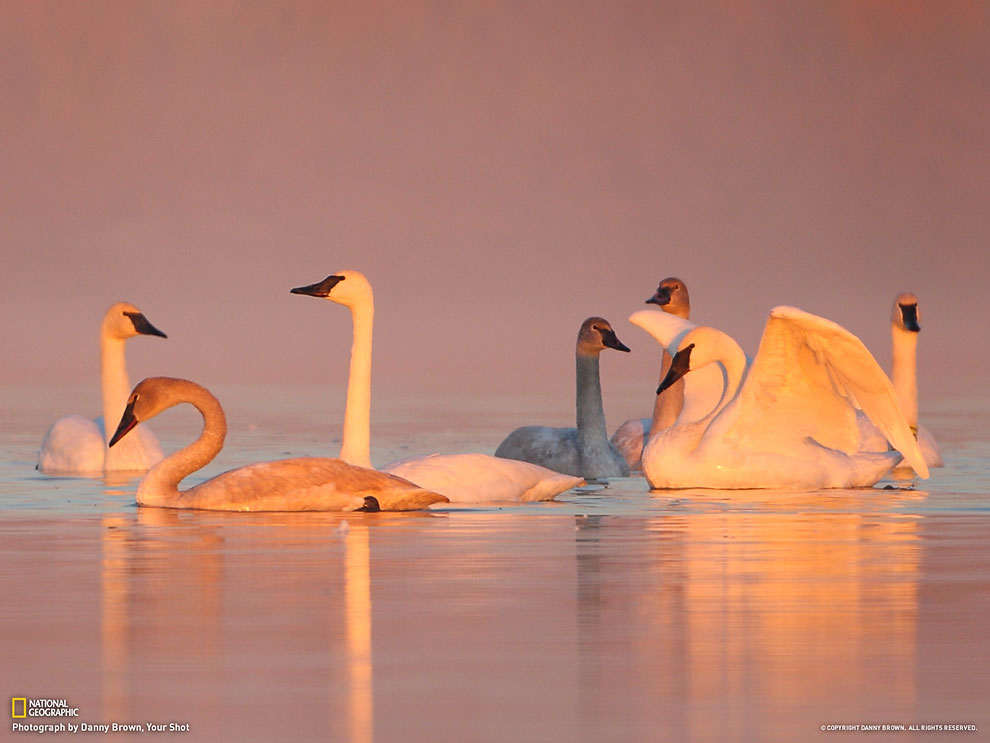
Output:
[[762, 609], [717, 611], [187, 599]]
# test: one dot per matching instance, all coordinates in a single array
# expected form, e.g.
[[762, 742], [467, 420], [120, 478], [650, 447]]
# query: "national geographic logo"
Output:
[[24, 707], [48, 716]]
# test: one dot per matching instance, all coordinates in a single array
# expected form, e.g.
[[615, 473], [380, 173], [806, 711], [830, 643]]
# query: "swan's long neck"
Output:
[[669, 403], [113, 380], [591, 429], [904, 373], [355, 447], [160, 487], [733, 361]]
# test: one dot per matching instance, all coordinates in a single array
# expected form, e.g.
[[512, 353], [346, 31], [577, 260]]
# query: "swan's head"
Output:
[[672, 296], [150, 397], [699, 347], [597, 334], [906, 314], [123, 320], [349, 288]]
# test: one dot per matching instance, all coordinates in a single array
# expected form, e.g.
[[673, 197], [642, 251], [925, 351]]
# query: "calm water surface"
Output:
[[613, 614]]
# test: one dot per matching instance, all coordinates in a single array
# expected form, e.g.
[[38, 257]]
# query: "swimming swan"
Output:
[[584, 451], [78, 446], [671, 296], [463, 478], [300, 484], [789, 420], [905, 328]]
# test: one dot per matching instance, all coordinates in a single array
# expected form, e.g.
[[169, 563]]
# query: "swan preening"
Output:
[[78, 446], [463, 478], [788, 419], [584, 451], [671, 296], [905, 327], [300, 484]]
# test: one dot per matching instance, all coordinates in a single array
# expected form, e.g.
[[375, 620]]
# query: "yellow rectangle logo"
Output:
[[13, 706]]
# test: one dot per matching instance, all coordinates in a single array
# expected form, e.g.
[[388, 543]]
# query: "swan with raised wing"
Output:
[[300, 484], [464, 478], [78, 446], [786, 421], [671, 296], [584, 451]]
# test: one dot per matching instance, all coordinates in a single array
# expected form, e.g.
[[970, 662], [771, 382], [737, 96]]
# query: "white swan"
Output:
[[905, 327], [671, 296], [463, 478], [787, 422], [584, 451], [300, 484], [78, 446]]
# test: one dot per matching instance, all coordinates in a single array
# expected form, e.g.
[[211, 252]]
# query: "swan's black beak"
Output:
[[371, 505], [680, 366], [611, 340], [320, 288], [127, 421], [909, 313], [661, 298], [142, 326]]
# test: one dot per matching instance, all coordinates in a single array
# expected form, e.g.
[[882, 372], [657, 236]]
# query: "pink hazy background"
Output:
[[499, 170]]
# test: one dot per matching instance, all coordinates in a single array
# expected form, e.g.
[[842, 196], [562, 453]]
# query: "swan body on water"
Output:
[[788, 419], [671, 296], [463, 478], [503, 480], [78, 446], [300, 484], [905, 328], [584, 451]]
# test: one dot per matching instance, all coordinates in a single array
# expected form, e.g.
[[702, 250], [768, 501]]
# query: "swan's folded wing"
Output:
[[808, 375], [702, 388]]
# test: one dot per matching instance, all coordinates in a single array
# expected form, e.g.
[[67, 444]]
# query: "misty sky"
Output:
[[499, 170]]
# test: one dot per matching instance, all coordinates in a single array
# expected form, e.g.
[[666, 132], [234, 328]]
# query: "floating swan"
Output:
[[463, 478], [789, 420], [905, 327], [584, 451], [300, 484], [671, 296], [78, 446]]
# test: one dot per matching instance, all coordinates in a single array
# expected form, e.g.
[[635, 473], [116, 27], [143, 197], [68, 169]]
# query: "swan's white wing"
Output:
[[703, 387], [804, 381]]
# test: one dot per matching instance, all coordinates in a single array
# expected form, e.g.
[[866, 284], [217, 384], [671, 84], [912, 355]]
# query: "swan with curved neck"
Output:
[[464, 478], [300, 484], [787, 421], [78, 446], [584, 451], [671, 296]]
